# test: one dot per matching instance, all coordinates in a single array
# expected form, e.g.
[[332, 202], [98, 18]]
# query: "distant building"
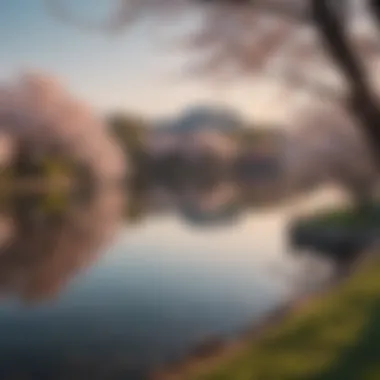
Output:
[[209, 142], [199, 131]]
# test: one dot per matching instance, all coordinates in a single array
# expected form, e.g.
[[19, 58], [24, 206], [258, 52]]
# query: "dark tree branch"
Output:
[[362, 99], [375, 7], [330, 18], [335, 40], [283, 10]]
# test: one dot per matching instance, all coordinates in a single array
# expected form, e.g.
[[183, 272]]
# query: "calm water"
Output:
[[89, 291]]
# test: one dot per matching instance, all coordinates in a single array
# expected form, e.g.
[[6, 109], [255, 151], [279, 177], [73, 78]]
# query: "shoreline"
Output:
[[198, 360]]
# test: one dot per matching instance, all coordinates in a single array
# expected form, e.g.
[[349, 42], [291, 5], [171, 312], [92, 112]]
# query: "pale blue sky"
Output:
[[128, 71]]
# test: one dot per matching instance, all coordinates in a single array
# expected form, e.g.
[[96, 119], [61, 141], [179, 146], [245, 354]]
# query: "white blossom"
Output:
[[38, 110]]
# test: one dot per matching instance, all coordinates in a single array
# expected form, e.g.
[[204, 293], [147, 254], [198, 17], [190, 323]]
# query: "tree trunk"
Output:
[[362, 99], [375, 8]]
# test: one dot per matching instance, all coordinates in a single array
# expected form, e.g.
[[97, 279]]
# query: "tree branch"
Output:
[[375, 7], [335, 40], [362, 100]]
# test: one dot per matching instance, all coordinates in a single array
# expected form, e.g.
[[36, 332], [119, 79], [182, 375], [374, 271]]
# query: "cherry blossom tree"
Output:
[[293, 40], [38, 111], [326, 48]]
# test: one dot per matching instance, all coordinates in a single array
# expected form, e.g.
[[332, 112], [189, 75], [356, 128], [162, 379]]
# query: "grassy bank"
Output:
[[347, 217], [333, 337]]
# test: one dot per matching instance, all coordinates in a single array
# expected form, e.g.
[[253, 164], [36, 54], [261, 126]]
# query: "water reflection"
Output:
[[151, 289], [43, 246], [209, 204]]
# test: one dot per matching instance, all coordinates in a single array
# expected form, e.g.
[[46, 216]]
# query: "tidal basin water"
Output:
[[79, 302]]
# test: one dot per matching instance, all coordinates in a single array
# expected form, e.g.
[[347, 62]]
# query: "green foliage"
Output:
[[49, 166], [334, 337], [54, 202], [131, 133], [245, 136], [351, 217], [51, 172], [136, 210], [129, 130], [54, 168], [6, 177], [256, 137]]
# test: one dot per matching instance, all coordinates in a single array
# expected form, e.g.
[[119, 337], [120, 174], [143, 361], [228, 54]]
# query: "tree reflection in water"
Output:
[[46, 240], [42, 247], [225, 202]]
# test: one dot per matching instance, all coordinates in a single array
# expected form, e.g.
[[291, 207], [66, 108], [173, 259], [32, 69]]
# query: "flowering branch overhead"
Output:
[[237, 37], [283, 38]]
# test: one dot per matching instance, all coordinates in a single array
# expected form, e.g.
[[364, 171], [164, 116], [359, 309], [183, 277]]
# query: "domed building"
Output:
[[210, 117], [199, 132]]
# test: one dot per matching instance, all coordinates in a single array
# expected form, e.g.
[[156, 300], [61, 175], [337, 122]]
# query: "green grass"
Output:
[[349, 217], [336, 337]]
